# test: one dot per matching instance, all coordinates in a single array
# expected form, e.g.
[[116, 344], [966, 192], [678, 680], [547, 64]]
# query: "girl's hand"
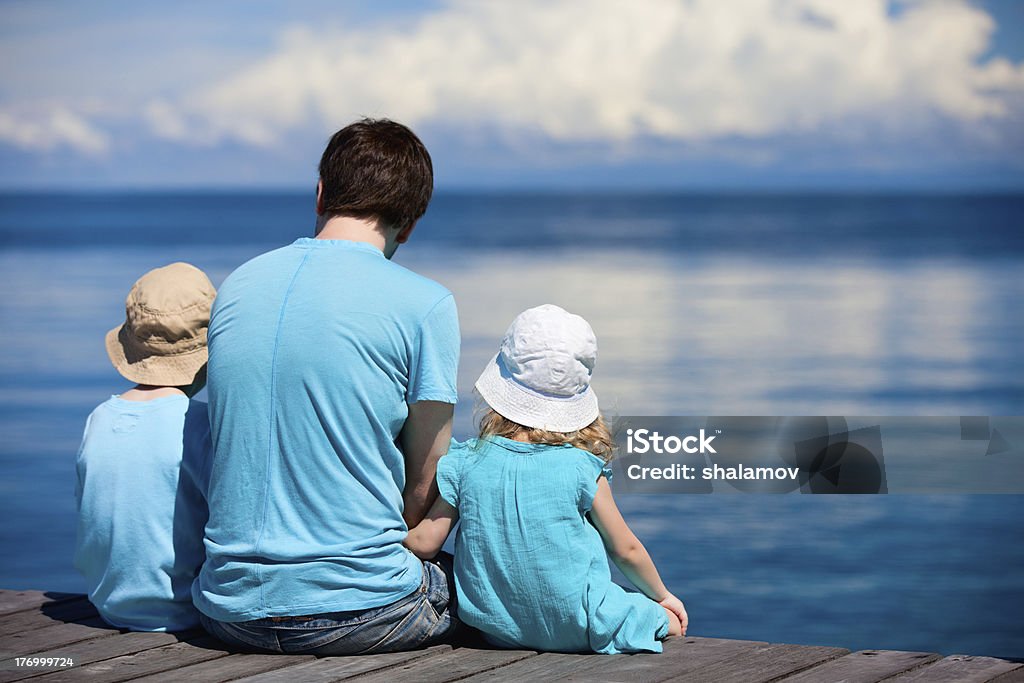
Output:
[[675, 605]]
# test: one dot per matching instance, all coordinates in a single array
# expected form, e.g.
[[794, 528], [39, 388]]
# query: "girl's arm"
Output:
[[427, 537], [629, 553]]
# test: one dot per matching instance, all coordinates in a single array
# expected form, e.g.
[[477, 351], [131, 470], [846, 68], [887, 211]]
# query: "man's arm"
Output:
[[424, 438]]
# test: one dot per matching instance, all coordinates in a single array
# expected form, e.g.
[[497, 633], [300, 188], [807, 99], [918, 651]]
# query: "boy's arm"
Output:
[[424, 438], [628, 553], [79, 484], [427, 537]]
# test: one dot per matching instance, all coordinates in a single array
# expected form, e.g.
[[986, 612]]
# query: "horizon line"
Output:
[[530, 190]]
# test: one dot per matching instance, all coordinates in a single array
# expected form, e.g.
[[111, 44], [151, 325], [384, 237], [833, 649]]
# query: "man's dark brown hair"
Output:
[[376, 168]]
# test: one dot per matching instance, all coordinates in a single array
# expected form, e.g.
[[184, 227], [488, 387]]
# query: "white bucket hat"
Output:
[[540, 377]]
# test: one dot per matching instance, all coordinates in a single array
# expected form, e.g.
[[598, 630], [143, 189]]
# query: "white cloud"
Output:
[[58, 127], [614, 71]]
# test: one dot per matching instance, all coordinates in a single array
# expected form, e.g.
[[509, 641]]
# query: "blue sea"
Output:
[[703, 305]]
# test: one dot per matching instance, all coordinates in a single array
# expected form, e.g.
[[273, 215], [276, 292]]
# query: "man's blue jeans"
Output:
[[425, 617]]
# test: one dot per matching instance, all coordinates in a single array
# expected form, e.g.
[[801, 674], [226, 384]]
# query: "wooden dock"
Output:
[[63, 626]]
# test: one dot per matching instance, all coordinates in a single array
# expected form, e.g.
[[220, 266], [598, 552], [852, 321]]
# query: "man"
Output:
[[331, 387]]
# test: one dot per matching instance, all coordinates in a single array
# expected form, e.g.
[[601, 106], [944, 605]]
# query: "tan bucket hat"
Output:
[[163, 339]]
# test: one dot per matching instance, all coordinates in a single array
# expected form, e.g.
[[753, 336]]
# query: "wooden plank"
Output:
[[765, 663], [866, 666], [89, 651], [77, 609], [66, 625], [545, 666], [18, 601], [448, 666], [680, 654], [228, 668], [961, 669], [52, 637], [1015, 676], [143, 663], [327, 669]]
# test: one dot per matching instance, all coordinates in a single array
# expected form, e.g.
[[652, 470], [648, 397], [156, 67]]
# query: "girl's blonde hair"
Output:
[[595, 437]]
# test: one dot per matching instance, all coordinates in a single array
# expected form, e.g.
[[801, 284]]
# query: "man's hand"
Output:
[[424, 439]]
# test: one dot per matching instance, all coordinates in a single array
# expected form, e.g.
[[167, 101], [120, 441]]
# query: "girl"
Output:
[[537, 513]]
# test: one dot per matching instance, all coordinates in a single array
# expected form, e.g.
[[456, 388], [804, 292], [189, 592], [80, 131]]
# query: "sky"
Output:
[[532, 94]]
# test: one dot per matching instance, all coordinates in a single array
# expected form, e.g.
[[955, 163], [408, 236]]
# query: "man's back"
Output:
[[316, 350]]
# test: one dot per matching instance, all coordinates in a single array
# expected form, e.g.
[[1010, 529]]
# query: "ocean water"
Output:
[[703, 305]]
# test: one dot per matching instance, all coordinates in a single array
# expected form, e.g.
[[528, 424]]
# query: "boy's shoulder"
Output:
[[110, 408], [109, 404], [119, 423], [165, 407]]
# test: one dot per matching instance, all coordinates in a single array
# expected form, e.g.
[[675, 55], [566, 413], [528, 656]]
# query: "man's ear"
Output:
[[403, 235], [320, 198]]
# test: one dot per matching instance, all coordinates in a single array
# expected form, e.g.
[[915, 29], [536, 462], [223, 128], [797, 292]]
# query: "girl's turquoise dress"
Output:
[[530, 569]]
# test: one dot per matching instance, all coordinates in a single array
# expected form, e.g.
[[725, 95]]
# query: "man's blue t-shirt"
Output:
[[316, 351], [142, 472]]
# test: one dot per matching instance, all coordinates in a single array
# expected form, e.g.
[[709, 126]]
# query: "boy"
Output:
[[144, 459]]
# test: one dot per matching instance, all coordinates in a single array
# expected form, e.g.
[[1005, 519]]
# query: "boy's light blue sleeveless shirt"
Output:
[[316, 351], [530, 569], [142, 472]]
